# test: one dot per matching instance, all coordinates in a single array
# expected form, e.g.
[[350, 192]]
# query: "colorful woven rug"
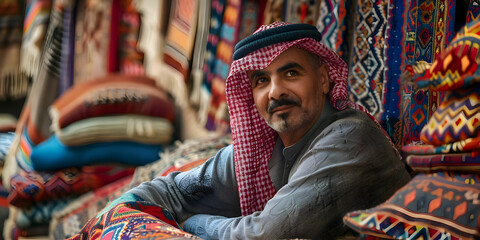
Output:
[[229, 32], [332, 20], [428, 28], [92, 39], [180, 37], [462, 162], [473, 11], [367, 76], [28, 188], [133, 220], [216, 17], [45, 87], [13, 83], [301, 11], [442, 205], [37, 15], [68, 50]]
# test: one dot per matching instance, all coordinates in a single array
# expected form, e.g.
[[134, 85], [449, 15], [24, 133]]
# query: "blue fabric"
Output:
[[52, 154], [6, 140]]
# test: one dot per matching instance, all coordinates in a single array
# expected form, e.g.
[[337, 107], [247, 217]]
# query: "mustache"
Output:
[[277, 103]]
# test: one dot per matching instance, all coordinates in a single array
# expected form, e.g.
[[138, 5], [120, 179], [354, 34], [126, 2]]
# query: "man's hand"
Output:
[[182, 223]]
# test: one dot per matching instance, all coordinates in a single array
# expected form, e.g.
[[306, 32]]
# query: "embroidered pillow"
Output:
[[431, 206], [52, 155], [467, 145], [456, 119], [111, 95], [462, 162], [457, 66], [126, 127], [28, 188], [138, 220]]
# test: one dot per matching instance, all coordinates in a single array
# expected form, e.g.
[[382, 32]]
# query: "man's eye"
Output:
[[261, 80], [291, 73]]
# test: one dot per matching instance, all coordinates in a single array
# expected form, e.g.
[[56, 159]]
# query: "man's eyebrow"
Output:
[[258, 73], [288, 66]]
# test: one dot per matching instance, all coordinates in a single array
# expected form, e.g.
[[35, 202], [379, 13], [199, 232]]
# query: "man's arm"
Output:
[[209, 188], [347, 168]]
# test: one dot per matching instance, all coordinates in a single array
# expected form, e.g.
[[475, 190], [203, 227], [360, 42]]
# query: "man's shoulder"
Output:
[[356, 119]]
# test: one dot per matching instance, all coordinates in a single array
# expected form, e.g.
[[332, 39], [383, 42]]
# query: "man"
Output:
[[302, 155]]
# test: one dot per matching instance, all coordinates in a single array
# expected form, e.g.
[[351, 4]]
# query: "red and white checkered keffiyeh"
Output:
[[253, 139]]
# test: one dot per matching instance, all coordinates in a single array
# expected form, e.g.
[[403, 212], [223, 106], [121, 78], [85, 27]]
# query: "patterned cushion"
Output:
[[52, 155], [126, 127], [133, 220], [467, 145], [431, 206], [110, 95], [464, 162], [70, 220], [28, 188], [456, 119], [457, 66], [6, 140]]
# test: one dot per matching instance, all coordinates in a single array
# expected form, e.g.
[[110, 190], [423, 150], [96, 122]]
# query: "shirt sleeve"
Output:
[[346, 168], [209, 188]]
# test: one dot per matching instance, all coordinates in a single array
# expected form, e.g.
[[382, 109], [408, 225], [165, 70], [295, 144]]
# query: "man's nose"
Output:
[[277, 88]]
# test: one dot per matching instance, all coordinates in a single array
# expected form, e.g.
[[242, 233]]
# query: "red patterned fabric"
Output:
[[442, 205], [133, 220], [253, 139], [29, 187]]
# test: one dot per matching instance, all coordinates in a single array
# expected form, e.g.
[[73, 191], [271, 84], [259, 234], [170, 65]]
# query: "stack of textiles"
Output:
[[102, 130], [443, 200], [180, 156], [6, 140]]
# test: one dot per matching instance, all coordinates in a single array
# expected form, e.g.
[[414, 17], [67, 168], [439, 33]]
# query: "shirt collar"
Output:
[[291, 153]]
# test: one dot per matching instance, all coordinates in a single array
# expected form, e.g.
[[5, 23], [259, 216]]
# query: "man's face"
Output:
[[290, 92]]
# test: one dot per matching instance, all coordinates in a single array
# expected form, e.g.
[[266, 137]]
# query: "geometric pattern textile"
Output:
[[443, 205], [210, 60], [71, 219], [467, 145], [217, 118], [180, 36], [366, 81], [130, 58], [460, 162], [391, 119], [28, 188], [301, 11], [458, 65], [456, 119], [473, 11], [133, 220], [92, 39], [428, 28], [331, 23], [37, 13]]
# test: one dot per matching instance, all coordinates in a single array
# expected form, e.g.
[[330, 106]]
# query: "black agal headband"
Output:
[[275, 35]]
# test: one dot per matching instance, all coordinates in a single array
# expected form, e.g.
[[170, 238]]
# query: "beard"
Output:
[[279, 126]]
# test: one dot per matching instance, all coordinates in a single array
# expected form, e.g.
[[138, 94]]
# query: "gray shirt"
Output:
[[343, 163]]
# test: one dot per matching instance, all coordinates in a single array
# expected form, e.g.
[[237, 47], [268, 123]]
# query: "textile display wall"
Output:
[[80, 78]]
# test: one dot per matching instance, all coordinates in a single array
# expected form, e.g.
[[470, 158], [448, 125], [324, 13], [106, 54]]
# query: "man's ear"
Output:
[[323, 70]]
